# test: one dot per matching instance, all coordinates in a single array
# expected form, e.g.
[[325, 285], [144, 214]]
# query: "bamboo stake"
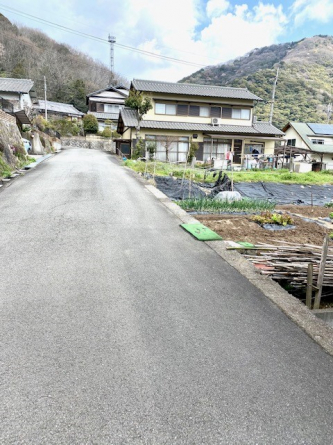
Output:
[[309, 285], [321, 274]]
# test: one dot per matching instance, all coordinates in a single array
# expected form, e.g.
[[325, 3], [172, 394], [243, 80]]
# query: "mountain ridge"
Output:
[[304, 87]]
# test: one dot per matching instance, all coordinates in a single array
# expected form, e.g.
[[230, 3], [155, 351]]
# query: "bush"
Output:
[[151, 148], [139, 150], [194, 147], [90, 124], [106, 133]]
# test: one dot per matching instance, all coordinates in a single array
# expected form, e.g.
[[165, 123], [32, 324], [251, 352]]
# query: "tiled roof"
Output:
[[111, 116], [267, 128], [129, 119], [58, 107], [110, 88], [190, 89], [15, 85]]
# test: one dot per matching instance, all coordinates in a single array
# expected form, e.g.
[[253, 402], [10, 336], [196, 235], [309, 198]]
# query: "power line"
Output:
[[101, 40]]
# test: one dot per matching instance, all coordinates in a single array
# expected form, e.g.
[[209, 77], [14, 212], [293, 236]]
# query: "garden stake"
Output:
[[309, 285], [321, 273]]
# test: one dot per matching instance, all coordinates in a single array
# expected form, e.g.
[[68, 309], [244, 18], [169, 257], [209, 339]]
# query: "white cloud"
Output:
[[200, 32], [236, 33], [312, 10], [215, 8]]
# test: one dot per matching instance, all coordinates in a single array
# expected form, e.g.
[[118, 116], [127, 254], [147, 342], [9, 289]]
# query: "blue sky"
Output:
[[195, 32]]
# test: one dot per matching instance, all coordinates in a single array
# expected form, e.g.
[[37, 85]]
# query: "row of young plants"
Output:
[[202, 174], [215, 206]]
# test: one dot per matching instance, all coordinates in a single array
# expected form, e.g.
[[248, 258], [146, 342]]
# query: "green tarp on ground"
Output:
[[201, 232]]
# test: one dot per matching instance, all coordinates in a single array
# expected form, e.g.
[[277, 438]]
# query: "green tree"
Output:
[[141, 104], [90, 123], [76, 95]]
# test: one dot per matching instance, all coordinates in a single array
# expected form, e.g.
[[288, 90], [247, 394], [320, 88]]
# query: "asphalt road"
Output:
[[117, 327]]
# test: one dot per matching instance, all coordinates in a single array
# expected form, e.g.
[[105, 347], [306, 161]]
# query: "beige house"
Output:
[[314, 141], [219, 119]]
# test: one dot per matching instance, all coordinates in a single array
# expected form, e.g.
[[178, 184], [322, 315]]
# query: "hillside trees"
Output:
[[70, 74]]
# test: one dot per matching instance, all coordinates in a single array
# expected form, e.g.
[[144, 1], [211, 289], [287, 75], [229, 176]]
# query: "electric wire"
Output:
[[101, 40]]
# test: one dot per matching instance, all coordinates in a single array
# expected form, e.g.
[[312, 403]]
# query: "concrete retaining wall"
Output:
[[91, 142]]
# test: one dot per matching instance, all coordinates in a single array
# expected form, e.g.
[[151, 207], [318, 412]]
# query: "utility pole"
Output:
[[45, 89], [112, 41], [273, 96]]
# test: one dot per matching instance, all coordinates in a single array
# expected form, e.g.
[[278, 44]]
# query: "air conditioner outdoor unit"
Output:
[[216, 121]]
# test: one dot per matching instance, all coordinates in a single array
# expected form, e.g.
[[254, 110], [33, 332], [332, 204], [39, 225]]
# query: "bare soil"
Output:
[[242, 228]]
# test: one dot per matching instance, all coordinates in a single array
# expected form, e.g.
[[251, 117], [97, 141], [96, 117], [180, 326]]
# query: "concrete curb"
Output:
[[318, 330]]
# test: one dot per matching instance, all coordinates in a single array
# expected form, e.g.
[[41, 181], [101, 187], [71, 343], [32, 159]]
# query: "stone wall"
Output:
[[91, 142], [7, 117], [10, 139]]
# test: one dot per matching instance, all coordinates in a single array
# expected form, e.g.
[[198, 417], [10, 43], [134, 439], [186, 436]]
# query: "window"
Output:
[[194, 110], [318, 141], [236, 113], [216, 148], [170, 109], [182, 110], [239, 113], [245, 114], [226, 113], [215, 111], [159, 108], [291, 142], [204, 111], [111, 108], [177, 147]]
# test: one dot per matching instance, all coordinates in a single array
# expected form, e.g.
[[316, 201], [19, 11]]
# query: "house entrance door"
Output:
[[237, 151]]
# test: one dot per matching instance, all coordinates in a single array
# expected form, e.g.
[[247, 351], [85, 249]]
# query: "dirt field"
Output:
[[242, 228]]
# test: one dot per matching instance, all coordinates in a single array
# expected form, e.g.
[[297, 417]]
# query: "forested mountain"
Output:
[[305, 81], [29, 53]]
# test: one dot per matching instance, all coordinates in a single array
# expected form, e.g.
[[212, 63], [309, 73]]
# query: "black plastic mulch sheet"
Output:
[[178, 189], [286, 193]]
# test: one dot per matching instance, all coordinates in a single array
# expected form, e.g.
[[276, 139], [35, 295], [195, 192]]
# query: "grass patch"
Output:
[[211, 205], [282, 176], [5, 169], [175, 170]]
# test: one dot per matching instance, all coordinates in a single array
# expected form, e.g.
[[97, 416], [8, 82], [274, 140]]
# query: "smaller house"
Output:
[[17, 97], [58, 110], [105, 105], [314, 140]]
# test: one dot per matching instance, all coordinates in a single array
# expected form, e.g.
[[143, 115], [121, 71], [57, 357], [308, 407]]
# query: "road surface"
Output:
[[118, 327]]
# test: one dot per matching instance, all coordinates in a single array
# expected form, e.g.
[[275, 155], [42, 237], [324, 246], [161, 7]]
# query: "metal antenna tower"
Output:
[[112, 41]]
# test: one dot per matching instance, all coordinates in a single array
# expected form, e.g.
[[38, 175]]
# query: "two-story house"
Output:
[[315, 140], [219, 119], [105, 105], [17, 97]]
